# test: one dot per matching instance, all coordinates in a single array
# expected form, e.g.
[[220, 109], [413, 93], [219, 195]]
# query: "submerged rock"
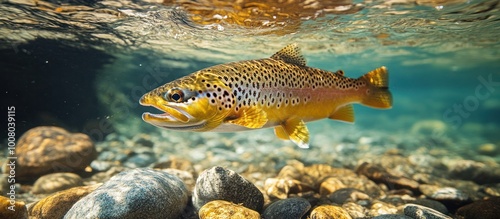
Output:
[[218, 183], [16, 210], [56, 205], [483, 209], [56, 182], [137, 193], [378, 174], [329, 211], [287, 208], [347, 194], [419, 211], [220, 209], [444, 193], [48, 149]]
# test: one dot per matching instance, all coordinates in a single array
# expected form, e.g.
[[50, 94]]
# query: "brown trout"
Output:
[[280, 92]]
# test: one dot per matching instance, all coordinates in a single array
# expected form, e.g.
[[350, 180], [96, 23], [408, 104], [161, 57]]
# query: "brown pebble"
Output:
[[56, 182], [10, 208], [483, 209], [220, 209], [49, 149], [329, 212], [56, 205], [281, 188], [330, 185]]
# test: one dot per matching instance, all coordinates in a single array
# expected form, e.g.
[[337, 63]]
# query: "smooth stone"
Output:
[[49, 149], [287, 208], [56, 182], [220, 209], [140, 160], [16, 211], [329, 212], [330, 185], [137, 193], [392, 216], [218, 183], [419, 211], [379, 174], [56, 205], [474, 171], [101, 165], [443, 193], [438, 206], [482, 209], [347, 194]]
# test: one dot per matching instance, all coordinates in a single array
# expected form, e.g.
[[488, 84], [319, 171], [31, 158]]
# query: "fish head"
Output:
[[188, 103]]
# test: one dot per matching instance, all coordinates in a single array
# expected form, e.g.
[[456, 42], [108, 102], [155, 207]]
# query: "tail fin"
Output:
[[378, 95]]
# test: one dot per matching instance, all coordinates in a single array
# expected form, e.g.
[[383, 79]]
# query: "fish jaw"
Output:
[[174, 115]]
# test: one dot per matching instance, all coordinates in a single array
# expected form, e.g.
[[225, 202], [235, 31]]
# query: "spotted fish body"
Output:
[[280, 92]]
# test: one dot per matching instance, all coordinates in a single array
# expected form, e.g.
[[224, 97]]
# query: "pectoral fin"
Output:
[[297, 132], [345, 113], [252, 117]]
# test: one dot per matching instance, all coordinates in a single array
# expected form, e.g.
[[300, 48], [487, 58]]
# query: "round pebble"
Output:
[[329, 211], [438, 206], [56, 182], [137, 193], [220, 209], [287, 208], [56, 205], [419, 211], [443, 193], [218, 183], [49, 149]]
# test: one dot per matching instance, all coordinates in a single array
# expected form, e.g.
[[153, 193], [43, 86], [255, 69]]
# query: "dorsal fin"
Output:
[[290, 54]]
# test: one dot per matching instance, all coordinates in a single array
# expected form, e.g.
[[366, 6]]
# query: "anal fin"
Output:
[[280, 132], [344, 113], [297, 132], [252, 117]]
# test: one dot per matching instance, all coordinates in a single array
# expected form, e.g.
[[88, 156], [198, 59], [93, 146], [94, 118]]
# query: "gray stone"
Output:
[[100, 165], [218, 183], [138, 193], [287, 208], [443, 193], [422, 212], [140, 160], [347, 194], [438, 206]]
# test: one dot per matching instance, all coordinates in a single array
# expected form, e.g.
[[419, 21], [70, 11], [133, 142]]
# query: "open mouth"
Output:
[[169, 114], [171, 117]]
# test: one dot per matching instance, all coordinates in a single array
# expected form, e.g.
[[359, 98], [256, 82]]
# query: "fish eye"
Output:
[[175, 95]]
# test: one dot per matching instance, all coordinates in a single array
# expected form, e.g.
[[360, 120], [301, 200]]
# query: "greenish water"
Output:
[[85, 68]]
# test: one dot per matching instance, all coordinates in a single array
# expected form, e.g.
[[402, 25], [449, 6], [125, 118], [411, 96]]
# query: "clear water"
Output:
[[82, 64]]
